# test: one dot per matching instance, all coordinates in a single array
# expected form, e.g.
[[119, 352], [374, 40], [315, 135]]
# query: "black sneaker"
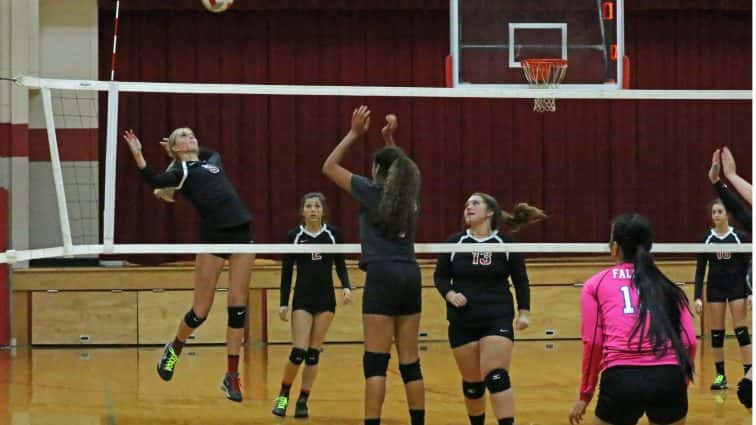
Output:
[[281, 403], [301, 410], [720, 383], [167, 363], [231, 387]]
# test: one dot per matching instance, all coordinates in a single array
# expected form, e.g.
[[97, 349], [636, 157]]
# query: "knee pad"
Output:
[[297, 356], [312, 357], [473, 390], [745, 389], [411, 372], [742, 334], [497, 381], [236, 317], [375, 364], [506, 421], [717, 338], [192, 320]]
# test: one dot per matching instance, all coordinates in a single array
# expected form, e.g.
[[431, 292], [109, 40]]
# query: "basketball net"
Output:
[[544, 74]]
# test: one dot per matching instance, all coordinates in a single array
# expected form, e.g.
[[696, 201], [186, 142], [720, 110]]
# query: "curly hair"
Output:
[[399, 207]]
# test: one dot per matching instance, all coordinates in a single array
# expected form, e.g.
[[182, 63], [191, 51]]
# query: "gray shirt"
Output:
[[375, 245]]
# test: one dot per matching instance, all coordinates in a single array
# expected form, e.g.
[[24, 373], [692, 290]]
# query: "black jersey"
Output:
[[733, 205], [375, 245], [314, 271], [483, 278], [205, 184], [726, 270]]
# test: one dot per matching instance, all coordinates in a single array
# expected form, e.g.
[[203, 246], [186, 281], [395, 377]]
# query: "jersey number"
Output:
[[481, 258], [316, 257], [722, 255], [628, 309]]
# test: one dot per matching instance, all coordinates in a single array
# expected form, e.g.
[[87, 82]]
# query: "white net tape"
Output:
[[70, 248], [12, 256], [379, 91]]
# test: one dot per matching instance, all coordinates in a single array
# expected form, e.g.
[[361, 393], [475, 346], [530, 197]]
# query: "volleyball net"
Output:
[[88, 225]]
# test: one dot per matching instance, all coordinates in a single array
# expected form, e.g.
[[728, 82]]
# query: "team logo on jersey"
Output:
[[724, 255], [211, 168]]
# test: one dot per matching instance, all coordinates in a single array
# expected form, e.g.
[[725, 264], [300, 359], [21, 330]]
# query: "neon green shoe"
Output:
[[282, 402], [167, 363], [720, 383]]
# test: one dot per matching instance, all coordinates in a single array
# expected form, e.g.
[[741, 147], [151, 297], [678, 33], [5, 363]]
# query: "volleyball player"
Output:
[[638, 332], [743, 215], [479, 304], [314, 302], [392, 299], [199, 175], [725, 285]]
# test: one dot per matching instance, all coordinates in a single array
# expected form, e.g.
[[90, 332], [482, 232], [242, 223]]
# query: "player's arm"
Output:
[[593, 342], [332, 166]]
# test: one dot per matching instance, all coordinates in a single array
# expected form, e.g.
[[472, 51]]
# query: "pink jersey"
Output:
[[610, 310]]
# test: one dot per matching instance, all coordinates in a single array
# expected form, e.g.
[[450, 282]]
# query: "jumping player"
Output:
[[199, 175]]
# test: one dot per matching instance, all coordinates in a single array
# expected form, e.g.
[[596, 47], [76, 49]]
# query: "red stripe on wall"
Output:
[[14, 140], [75, 144], [4, 278]]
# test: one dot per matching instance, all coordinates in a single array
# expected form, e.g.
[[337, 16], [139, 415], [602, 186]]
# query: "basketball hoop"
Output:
[[544, 74]]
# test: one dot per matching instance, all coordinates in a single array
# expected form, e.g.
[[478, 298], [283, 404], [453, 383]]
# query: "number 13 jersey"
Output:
[[483, 278]]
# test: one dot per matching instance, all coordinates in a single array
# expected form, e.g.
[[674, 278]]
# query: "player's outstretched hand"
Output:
[[132, 140], [388, 130], [728, 163], [714, 169], [360, 120]]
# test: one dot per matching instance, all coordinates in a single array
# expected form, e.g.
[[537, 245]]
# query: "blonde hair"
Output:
[[175, 134]]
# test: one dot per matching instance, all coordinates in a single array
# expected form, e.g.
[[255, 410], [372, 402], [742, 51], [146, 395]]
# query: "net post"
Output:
[[454, 42], [111, 155], [65, 226]]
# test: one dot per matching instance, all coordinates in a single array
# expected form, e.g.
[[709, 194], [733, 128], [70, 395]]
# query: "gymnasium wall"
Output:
[[583, 164], [57, 39], [67, 49]]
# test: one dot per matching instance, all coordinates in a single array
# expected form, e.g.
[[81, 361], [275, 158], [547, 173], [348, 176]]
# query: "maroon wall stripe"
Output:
[[14, 140], [79, 144]]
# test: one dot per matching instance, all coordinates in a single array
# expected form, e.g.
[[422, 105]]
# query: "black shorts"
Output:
[[626, 392], [392, 288], [314, 307], [460, 335], [238, 234], [718, 294]]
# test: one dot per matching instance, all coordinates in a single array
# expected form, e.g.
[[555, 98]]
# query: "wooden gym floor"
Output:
[[120, 386]]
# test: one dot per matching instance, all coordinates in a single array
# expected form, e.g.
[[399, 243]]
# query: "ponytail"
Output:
[[660, 301], [522, 215]]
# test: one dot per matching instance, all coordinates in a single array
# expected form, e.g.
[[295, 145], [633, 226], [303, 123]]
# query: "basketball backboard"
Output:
[[490, 38]]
